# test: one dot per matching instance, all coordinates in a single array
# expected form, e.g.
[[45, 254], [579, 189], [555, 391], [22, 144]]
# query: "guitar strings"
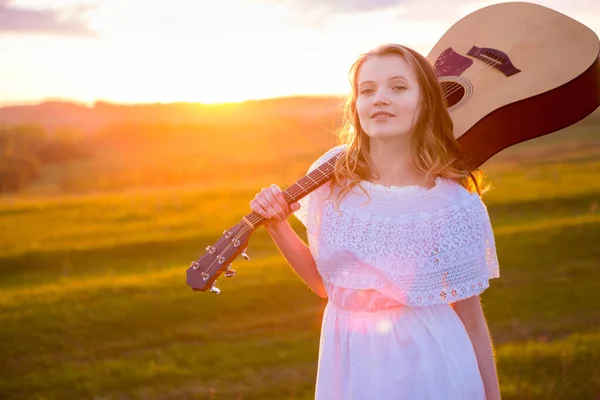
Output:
[[453, 88], [245, 228], [489, 63]]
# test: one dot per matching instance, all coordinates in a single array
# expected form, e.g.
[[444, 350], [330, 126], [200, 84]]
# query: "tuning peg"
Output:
[[244, 255], [230, 272], [214, 289]]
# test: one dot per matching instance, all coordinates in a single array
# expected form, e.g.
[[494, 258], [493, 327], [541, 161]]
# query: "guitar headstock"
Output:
[[203, 273]]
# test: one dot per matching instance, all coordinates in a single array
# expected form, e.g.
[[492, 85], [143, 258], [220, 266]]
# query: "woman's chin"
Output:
[[385, 134]]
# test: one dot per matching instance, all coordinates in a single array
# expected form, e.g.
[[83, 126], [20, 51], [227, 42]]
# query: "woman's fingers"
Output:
[[270, 203], [262, 206], [281, 204], [257, 208], [264, 201]]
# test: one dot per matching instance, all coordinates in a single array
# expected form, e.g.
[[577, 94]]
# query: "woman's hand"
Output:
[[270, 204]]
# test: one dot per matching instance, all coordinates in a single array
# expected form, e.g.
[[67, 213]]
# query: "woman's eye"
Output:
[[399, 87], [366, 91]]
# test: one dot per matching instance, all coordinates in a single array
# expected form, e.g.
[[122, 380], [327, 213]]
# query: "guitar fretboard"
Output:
[[301, 187]]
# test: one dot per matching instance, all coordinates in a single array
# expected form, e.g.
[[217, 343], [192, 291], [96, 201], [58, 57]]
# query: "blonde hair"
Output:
[[432, 147]]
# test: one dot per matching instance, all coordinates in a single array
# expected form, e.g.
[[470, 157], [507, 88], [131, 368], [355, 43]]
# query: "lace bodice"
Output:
[[416, 245]]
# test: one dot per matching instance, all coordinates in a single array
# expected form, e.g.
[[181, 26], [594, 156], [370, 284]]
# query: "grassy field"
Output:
[[94, 304]]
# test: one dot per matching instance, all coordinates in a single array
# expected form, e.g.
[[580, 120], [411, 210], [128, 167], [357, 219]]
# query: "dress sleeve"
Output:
[[469, 274], [467, 262], [491, 257], [310, 204]]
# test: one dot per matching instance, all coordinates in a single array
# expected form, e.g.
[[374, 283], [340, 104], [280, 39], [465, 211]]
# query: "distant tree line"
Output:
[[25, 149]]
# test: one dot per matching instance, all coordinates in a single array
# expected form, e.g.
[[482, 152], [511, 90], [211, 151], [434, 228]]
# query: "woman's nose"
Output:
[[380, 99]]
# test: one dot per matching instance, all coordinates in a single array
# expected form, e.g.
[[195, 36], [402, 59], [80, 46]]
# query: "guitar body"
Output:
[[516, 71]]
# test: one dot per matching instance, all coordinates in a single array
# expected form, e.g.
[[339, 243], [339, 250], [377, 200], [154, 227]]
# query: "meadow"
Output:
[[94, 304]]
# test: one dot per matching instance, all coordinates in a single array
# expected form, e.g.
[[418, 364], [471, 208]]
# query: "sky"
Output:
[[143, 51]]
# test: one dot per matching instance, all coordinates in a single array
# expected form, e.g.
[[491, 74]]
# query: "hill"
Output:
[[110, 147], [53, 115]]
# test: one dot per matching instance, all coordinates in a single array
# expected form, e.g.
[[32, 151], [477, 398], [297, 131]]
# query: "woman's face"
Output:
[[388, 96]]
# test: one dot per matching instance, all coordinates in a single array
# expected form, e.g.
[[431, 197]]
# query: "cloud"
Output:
[[320, 12], [64, 21], [351, 6], [332, 7]]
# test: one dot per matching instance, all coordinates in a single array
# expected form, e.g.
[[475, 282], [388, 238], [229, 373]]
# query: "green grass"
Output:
[[94, 304]]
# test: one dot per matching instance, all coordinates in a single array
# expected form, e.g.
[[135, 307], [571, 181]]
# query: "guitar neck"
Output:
[[299, 189]]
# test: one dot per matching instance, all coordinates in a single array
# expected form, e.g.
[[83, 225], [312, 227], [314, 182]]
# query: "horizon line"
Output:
[[91, 104]]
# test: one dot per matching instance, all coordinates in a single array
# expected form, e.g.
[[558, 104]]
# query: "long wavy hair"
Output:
[[432, 147]]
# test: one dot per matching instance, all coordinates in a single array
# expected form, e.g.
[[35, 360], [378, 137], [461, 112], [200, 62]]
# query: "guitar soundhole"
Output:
[[454, 92]]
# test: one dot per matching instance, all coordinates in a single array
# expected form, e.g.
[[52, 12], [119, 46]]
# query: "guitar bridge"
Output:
[[496, 58]]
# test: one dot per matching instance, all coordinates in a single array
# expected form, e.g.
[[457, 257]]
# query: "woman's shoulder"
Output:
[[459, 196], [456, 188], [335, 150], [332, 152]]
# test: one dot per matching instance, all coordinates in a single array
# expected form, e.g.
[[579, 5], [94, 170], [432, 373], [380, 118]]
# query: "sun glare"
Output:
[[197, 57]]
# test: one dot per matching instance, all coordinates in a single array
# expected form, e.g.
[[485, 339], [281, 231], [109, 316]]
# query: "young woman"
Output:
[[400, 242]]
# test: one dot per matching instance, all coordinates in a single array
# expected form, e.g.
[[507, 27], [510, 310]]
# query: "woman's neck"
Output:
[[391, 159]]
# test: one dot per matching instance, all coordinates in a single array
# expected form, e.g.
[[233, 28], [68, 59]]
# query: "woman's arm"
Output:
[[298, 255], [271, 204], [471, 314]]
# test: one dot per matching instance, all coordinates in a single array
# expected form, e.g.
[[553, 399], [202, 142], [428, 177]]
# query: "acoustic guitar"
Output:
[[510, 72]]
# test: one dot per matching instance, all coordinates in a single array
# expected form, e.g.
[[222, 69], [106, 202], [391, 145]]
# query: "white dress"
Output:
[[392, 263]]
